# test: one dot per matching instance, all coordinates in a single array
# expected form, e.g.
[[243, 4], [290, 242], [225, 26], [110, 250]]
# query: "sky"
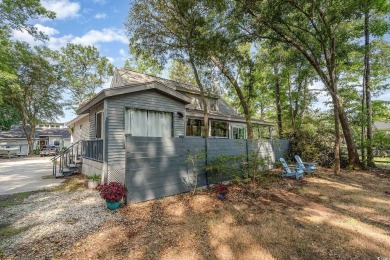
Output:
[[101, 23], [87, 22]]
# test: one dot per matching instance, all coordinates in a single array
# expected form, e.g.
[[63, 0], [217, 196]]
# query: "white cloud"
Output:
[[100, 16], [94, 37], [102, 2], [111, 59], [122, 52], [64, 9], [47, 30], [24, 36]]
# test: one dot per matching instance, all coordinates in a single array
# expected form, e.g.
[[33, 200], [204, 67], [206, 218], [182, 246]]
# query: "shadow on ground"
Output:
[[327, 216]]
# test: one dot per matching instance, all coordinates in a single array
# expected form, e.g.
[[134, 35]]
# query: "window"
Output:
[[260, 132], [195, 127], [198, 101], [56, 143], [213, 105], [239, 133], [148, 123], [98, 124], [220, 129]]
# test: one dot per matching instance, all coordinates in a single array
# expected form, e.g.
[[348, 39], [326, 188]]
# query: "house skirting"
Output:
[[91, 167]]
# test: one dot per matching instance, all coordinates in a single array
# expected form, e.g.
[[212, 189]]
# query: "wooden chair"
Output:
[[297, 173], [305, 166]]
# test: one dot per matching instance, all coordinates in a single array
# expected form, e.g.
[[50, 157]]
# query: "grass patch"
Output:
[[73, 183], [15, 199], [23, 195], [7, 231], [382, 162]]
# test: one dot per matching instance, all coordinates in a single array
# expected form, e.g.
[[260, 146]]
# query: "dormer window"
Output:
[[198, 103], [213, 105]]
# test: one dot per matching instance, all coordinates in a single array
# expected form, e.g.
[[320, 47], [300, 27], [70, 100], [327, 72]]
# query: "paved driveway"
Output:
[[25, 174]]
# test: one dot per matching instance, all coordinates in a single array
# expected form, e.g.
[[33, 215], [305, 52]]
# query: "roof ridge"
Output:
[[121, 68]]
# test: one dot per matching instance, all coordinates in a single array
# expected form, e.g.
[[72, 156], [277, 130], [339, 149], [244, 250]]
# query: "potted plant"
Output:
[[221, 190], [93, 181], [113, 193]]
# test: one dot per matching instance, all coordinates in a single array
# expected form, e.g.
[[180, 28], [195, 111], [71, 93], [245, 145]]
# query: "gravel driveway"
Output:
[[25, 174], [49, 222]]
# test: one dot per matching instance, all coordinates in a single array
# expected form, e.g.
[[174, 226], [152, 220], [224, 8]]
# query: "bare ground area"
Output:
[[322, 217]]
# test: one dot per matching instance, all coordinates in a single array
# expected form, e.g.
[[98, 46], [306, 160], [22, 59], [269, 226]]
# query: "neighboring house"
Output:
[[45, 134], [382, 126], [141, 105]]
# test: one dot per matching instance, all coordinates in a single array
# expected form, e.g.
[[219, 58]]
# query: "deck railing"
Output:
[[93, 150]]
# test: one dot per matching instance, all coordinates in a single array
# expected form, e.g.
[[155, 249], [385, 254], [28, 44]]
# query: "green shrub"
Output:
[[93, 177]]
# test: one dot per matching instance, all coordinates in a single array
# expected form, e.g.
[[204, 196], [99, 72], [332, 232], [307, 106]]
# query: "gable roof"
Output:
[[382, 126], [132, 87], [18, 133], [128, 77], [125, 81]]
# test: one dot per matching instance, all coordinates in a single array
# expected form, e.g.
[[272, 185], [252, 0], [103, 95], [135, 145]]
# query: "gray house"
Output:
[[142, 105]]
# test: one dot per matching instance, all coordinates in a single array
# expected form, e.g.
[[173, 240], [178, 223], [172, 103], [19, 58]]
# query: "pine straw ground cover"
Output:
[[322, 217]]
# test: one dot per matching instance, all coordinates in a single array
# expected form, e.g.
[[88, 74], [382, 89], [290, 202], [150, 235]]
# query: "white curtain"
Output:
[[165, 122], [148, 123], [136, 122]]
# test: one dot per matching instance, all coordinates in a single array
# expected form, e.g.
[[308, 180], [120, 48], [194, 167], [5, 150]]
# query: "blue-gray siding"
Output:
[[92, 119], [116, 106], [157, 167]]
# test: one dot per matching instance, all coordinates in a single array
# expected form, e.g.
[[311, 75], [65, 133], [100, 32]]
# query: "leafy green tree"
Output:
[[171, 30], [181, 72], [82, 71], [143, 63], [321, 31], [9, 116], [16, 14], [37, 95]]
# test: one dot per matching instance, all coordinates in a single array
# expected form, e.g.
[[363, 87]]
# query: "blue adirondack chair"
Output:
[[297, 173], [305, 166]]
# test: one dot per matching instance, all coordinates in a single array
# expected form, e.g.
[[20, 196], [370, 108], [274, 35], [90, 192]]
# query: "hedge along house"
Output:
[[141, 105]]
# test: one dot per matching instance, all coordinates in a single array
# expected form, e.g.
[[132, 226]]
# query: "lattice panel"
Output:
[[116, 175]]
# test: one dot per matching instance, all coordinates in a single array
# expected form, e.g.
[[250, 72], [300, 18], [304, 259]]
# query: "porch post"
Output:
[[105, 146]]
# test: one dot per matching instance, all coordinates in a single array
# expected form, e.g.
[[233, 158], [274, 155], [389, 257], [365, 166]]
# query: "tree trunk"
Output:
[[367, 79], [353, 156], [336, 110], [204, 99], [337, 139], [29, 136], [363, 122], [277, 101], [244, 104]]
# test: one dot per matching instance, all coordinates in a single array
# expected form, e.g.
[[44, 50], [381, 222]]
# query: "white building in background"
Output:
[[56, 134]]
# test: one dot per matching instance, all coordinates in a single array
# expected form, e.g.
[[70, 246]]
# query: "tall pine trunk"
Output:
[[367, 79], [277, 100]]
